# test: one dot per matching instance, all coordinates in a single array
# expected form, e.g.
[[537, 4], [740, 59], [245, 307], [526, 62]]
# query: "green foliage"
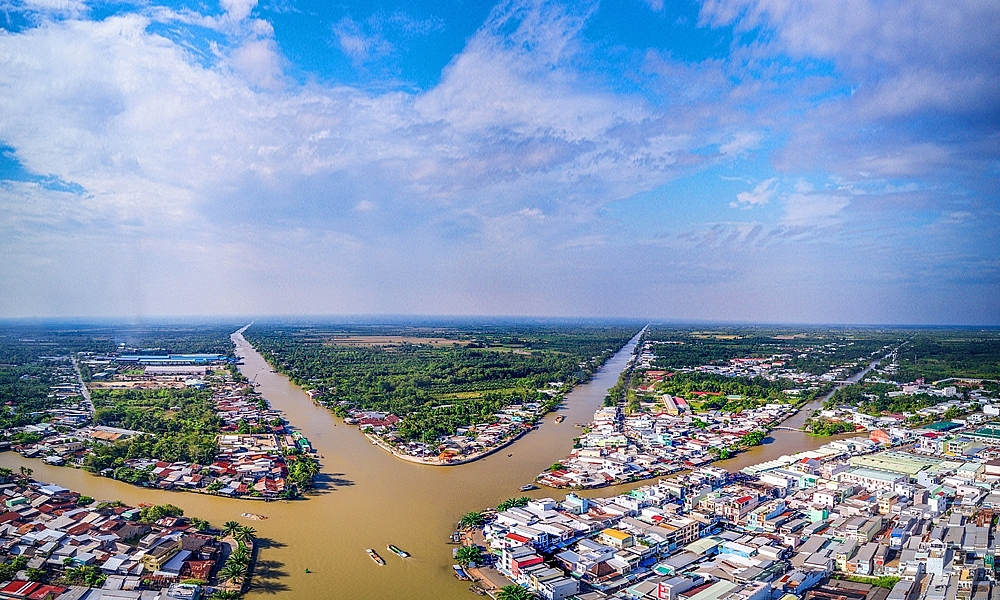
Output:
[[84, 500], [819, 426], [302, 469], [26, 437], [515, 592], [872, 399], [88, 575], [887, 581], [811, 350], [38, 575], [753, 393], [468, 554], [8, 570], [133, 476], [950, 353], [472, 520], [513, 503], [200, 524], [187, 434], [151, 514], [436, 388]]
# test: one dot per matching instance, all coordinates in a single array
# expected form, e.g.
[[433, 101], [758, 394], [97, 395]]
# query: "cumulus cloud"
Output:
[[759, 196], [911, 66], [518, 151]]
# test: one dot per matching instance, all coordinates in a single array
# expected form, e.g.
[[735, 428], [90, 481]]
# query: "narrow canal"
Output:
[[368, 498]]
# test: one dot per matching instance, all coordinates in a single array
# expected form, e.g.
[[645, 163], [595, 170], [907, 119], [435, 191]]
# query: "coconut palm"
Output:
[[472, 520], [514, 592], [468, 554], [230, 528], [233, 572], [239, 556], [245, 534], [224, 595]]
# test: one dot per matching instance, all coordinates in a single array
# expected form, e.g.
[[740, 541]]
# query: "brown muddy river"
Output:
[[369, 499]]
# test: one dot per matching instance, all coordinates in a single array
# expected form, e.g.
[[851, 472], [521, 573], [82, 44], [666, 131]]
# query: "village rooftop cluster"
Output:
[[468, 443], [47, 528], [918, 519], [255, 443]]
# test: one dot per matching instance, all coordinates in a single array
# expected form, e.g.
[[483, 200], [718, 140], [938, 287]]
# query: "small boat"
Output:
[[374, 556], [560, 418], [460, 573], [400, 553], [529, 487], [308, 571], [253, 517], [509, 455]]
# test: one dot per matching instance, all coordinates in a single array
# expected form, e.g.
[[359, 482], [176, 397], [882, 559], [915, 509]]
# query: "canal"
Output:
[[368, 498]]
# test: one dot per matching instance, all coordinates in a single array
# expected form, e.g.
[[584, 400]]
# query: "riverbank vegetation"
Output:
[[821, 426], [936, 355], [812, 350], [437, 379]]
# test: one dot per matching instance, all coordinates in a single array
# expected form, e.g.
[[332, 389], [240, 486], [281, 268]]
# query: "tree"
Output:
[[224, 595], [468, 554], [514, 592], [230, 527], [232, 572], [244, 534], [472, 520], [26, 472]]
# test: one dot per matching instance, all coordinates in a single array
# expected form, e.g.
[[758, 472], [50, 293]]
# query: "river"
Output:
[[369, 498]]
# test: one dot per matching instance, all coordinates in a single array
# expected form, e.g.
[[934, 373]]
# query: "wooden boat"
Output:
[[253, 517], [560, 418], [460, 573], [374, 556], [400, 553], [529, 487]]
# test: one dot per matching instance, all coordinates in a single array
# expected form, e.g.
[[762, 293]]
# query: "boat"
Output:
[[253, 517], [509, 455], [374, 556], [308, 571], [460, 573], [400, 553], [560, 418], [529, 487]]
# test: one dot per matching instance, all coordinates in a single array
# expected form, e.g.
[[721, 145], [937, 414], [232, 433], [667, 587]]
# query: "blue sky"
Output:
[[739, 160]]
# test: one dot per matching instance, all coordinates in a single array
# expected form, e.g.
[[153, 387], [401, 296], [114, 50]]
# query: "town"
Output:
[[59, 545], [914, 520], [245, 449]]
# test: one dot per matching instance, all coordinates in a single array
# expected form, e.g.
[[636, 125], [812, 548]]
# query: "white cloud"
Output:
[[759, 196], [813, 210], [364, 206]]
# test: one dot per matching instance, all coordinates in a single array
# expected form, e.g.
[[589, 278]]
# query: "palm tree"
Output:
[[26, 472], [468, 554], [224, 595], [515, 592], [239, 556], [245, 534], [471, 520], [230, 528], [233, 572]]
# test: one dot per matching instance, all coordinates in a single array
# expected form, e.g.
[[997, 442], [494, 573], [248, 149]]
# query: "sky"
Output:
[[728, 160]]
